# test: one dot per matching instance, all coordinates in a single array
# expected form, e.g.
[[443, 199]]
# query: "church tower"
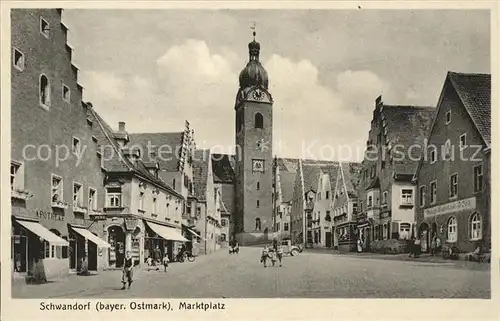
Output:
[[254, 160]]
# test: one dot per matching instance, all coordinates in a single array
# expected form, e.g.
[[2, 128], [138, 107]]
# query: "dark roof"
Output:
[[474, 90], [113, 158], [311, 171], [287, 183], [375, 183], [167, 147], [408, 126], [200, 173], [288, 164], [223, 168], [351, 171]]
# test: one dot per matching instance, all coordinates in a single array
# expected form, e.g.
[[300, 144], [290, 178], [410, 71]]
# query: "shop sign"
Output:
[[49, 216], [457, 206], [98, 217]]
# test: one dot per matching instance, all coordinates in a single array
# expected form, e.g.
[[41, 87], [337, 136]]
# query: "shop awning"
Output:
[[91, 237], [44, 233], [195, 234], [168, 233]]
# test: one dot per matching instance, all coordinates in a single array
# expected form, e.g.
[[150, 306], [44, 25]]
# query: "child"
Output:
[[165, 262], [263, 257]]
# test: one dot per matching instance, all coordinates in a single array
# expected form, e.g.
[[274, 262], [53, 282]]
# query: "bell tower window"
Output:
[[259, 120], [257, 224]]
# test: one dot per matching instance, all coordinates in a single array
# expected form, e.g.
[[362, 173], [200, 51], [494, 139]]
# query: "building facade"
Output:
[[386, 192], [454, 178], [254, 159], [283, 182], [345, 207], [56, 175]]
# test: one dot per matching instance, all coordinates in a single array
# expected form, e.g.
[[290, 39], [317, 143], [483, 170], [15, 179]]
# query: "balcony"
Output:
[[21, 194], [406, 202], [60, 204], [79, 208]]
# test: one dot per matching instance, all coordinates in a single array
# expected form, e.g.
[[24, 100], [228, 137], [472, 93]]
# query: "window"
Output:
[[92, 199], [113, 197], [386, 232], [155, 206], [167, 210], [433, 192], [475, 227], [258, 185], [370, 199], [76, 147], [452, 230], [407, 197], [173, 183], [44, 27], [141, 201], [57, 189], [447, 149], [421, 196], [223, 222], [354, 208], [77, 195], [432, 155], [361, 206], [404, 231], [327, 194], [257, 224], [258, 203], [16, 176], [285, 228], [478, 178], [66, 93], [44, 87], [453, 185], [448, 117], [259, 120], [463, 141], [18, 59], [384, 197]]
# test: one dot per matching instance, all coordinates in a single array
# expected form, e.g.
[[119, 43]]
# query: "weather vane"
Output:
[[253, 28]]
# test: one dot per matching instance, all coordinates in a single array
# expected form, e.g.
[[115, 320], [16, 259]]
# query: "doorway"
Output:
[[92, 256], [423, 234], [328, 239], [116, 238]]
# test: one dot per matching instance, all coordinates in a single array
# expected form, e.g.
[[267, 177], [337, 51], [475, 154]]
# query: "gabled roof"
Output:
[[167, 147], [408, 126], [113, 158], [474, 91], [288, 164], [351, 171], [312, 171], [201, 162], [223, 168], [287, 181]]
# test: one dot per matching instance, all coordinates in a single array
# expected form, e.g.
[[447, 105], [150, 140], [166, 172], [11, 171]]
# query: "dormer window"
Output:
[[66, 93], [18, 59]]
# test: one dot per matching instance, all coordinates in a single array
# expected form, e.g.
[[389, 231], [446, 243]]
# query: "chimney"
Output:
[[121, 135]]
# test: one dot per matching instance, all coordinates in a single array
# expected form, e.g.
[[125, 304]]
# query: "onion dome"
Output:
[[254, 73]]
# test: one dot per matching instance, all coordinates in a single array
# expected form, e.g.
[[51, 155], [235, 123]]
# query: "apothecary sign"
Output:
[[457, 206], [49, 216]]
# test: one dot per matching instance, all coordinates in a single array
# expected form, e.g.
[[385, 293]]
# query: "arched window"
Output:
[[475, 228], [257, 224], [259, 120], [44, 90], [452, 230], [173, 183]]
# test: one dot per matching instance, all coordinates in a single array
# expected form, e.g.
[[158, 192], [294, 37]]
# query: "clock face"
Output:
[[258, 165], [258, 94]]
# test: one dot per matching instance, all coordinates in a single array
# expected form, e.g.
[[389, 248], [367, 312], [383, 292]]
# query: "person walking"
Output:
[[412, 246], [127, 272], [157, 257], [433, 245], [264, 255], [360, 245], [279, 254], [418, 249]]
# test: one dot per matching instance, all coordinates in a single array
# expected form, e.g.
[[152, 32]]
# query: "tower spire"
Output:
[[253, 27]]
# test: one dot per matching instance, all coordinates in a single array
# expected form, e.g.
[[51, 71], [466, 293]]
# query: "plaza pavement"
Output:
[[312, 274]]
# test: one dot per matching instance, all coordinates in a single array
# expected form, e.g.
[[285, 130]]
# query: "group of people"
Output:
[[274, 253], [416, 248]]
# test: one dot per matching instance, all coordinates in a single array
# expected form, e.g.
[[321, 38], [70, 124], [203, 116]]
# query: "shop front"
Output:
[[87, 247], [122, 235], [38, 254], [168, 239]]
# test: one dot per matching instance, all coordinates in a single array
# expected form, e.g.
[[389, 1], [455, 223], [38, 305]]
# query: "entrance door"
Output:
[[92, 257], [20, 252], [72, 254], [117, 250], [328, 239]]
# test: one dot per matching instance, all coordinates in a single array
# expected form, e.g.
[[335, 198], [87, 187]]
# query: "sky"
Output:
[[154, 69]]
